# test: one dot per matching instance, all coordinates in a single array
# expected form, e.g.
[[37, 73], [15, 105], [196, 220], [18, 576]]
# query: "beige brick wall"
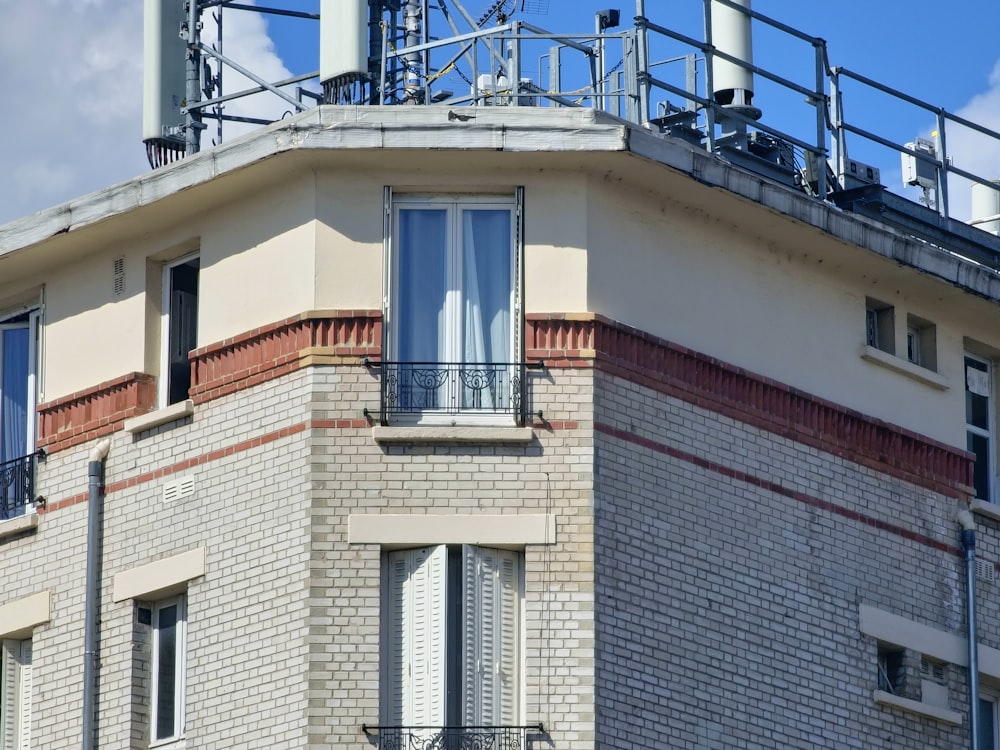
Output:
[[283, 628], [353, 474], [730, 567]]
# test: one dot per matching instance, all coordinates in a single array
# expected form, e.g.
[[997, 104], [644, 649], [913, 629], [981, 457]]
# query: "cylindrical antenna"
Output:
[[986, 207], [731, 34], [164, 83], [343, 47]]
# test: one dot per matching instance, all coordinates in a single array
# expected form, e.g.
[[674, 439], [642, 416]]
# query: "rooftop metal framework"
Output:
[[438, 53]]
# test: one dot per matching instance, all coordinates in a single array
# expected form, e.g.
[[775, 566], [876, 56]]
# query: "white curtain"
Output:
[[486, 285], [14, 374]]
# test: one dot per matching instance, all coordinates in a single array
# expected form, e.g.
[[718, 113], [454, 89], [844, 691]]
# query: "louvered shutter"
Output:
[[397, 673], [24, 696], [479, 583], [508, 630], [492, 595], [8, 685], [415, 609]]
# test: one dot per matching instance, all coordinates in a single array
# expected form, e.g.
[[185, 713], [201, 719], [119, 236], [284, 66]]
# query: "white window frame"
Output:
[[990, 432], [422, 692], [163, 386], [454, 203], [180, 661], [16, 694]]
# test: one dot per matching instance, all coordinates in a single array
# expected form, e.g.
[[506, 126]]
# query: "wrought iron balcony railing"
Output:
[[452, 738], [17, 484], [453, 388]]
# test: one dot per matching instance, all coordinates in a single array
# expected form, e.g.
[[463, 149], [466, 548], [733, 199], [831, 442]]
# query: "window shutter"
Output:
[[479, 578], [397, 675], [492, 612], [8, 684], [24, 696], [428, 581], [508, 638], [416, 639]]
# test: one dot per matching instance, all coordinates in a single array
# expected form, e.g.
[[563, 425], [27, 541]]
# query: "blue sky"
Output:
[[942, 54], [76, 68]]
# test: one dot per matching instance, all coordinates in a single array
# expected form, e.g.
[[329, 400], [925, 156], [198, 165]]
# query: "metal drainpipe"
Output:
[[95, 495], [968, 524]]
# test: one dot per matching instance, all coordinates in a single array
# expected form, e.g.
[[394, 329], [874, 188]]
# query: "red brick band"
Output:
[[274, 351], [95, 412], [571, 340], [673, 370]]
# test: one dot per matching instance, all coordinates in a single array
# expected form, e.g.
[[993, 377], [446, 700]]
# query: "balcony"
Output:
[[17, 484], [429, 389], [452, 738]]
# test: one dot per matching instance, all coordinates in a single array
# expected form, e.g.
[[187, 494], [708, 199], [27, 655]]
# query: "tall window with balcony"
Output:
[[453, 313], [18, 335], [979, 423], [451, 647]]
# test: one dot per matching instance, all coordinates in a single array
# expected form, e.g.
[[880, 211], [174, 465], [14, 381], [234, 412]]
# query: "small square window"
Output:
[[921, 342], [891, 669], [880, 325]]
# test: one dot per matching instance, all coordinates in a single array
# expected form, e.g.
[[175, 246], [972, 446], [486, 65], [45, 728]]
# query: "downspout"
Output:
[[968, 524], [95, 497]]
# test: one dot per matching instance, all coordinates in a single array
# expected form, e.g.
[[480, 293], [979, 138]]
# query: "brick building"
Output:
[[564, 430]]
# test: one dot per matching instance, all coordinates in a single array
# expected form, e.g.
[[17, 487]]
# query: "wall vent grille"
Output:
[[986, 571], [933, 671], [178, 489], [118, 276]]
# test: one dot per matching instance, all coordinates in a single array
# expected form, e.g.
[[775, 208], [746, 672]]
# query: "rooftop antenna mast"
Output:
[[180, 89], [183, 75]]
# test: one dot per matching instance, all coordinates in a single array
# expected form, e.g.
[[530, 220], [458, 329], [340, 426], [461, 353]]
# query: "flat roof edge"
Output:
[[334, 128], [851, 228]]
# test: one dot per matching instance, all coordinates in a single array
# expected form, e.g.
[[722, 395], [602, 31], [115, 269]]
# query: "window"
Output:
[[453, 314], [17, 384], [891, 669], [18, 337], [15, 683], [989, 721], [159, 669], [179, 330], [451, 644], [921, 342], [880, 326], [979, 422]]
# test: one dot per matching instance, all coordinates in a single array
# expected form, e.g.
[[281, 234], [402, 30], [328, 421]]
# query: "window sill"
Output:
[[985, 508], [918, 707], [452, 434], [171, 413], [18, 525], [903, 367]]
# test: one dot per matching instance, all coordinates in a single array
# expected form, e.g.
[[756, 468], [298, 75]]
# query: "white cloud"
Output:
[[973, 151], [75, 68]]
